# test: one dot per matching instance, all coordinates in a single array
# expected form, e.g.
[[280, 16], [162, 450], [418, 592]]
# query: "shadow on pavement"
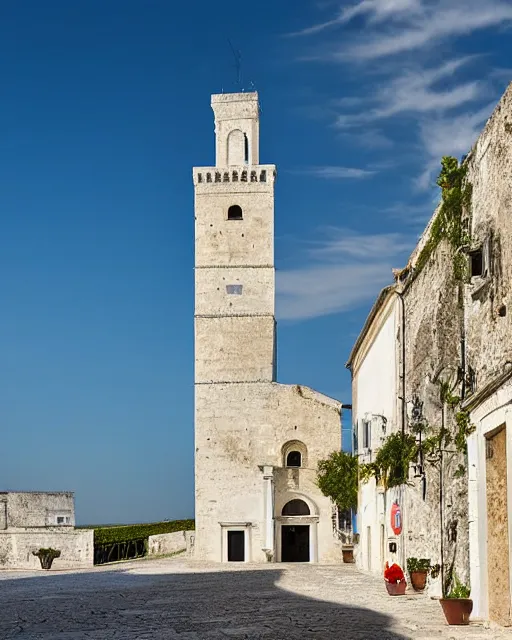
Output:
[[118, 604]]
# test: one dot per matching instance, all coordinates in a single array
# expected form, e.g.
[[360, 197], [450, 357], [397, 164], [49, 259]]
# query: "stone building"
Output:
[[257, 442], [30, 521], [445, 321]]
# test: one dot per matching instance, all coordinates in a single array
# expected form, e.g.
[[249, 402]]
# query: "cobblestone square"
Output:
[[176, 598]]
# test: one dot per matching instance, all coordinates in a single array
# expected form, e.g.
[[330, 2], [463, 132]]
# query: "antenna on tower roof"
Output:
[[238, 64]]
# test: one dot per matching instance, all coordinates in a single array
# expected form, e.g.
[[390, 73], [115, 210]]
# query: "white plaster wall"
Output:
[[374, 394]]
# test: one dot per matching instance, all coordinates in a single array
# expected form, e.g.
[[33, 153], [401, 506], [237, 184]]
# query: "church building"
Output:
[[257, 442]]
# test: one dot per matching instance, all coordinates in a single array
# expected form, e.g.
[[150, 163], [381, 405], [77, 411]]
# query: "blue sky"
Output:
[[104, 112]]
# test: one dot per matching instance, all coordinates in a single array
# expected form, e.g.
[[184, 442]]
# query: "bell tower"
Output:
[[234, 252]]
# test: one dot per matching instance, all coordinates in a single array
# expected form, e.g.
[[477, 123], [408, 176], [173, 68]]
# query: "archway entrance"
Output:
[[295, 534], [295, 543]]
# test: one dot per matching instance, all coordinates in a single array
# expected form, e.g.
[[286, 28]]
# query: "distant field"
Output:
[[106, 534]]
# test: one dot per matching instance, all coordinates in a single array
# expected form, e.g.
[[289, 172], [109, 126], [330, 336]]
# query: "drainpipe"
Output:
[[404, 420]]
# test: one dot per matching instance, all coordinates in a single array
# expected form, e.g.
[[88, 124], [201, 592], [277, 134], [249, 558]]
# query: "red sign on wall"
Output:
[[396, 518]]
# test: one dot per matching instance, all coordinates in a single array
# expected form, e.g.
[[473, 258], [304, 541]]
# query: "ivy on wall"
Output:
[[449, 222]]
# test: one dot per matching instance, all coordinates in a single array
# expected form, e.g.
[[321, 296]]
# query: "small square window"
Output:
[[60, 519], [234, 289]]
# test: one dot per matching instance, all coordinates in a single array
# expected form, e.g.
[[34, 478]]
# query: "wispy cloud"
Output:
[[336, 173], [347, 269], [376, 10], [414, 91], [411, 25], [449, 136]]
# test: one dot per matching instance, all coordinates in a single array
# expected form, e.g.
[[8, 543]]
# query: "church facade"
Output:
[[257, 442]]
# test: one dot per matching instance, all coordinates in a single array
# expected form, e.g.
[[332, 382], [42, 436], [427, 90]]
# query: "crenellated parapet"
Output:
[[244, 174]]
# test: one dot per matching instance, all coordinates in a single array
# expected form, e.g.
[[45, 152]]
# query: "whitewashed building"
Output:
[[374, 363]]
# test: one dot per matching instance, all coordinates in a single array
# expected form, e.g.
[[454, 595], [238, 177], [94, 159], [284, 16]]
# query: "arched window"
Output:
[[235, 212], [294, 459], [246, 149], [295, 508], [236, 147]]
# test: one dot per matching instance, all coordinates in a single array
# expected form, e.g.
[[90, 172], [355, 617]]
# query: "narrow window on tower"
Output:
[[246, 148], [234, 289], [235, 212]]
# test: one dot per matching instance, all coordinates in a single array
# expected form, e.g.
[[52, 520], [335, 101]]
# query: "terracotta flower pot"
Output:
[[419, 580], [396, 588], [348, 555], [457, 610]]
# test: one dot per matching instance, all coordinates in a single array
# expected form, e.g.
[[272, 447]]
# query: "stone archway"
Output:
[[297, 521]]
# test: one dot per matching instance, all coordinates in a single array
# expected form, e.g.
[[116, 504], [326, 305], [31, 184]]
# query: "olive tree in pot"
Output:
[[337, 478], [46, 557]]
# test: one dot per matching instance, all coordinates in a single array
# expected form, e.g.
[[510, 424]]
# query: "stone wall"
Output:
[[77, 548], [37, 509], [166, 543], [489, 334], [244, 427]]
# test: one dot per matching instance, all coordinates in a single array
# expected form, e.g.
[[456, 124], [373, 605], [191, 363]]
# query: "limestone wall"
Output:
[[240, 428], [36, 509], [489, 334], [165, 543], [77, 548]]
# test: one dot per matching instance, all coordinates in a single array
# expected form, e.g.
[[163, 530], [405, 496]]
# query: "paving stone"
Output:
[[178, 599]]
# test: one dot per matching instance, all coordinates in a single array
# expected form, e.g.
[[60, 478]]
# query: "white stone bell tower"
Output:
[[248, 428], [234, 259]]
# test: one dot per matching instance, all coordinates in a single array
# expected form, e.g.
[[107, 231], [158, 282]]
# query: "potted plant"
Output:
[[394, 580], [457, 605], [46, 557], [418, 570], [348, 555]]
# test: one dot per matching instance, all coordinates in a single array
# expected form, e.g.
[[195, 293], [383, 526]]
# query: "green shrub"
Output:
[[415, 564], [125, 533]]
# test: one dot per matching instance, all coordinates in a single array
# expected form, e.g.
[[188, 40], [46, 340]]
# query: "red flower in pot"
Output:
[[394, 580]]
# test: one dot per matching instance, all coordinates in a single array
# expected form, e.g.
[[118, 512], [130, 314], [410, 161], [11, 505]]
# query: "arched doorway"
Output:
[[295, 542]]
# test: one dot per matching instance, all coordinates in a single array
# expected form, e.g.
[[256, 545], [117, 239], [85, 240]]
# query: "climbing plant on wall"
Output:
[[449, 223], [392, 462]]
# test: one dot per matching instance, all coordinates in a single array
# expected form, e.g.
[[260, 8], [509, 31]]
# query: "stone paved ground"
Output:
[[179, 599]]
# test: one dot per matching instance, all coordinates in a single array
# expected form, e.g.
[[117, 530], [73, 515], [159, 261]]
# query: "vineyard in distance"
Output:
[[113, 543]]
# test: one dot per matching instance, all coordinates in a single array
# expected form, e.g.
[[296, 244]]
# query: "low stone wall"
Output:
[[76, 547], [165, 543]]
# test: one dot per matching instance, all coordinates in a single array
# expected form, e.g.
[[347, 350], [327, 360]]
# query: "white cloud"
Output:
[[449, 136], [319, 291], [346, 243], [414, 91], [337, 173], [376, 10], [348, 269], [436, 21]]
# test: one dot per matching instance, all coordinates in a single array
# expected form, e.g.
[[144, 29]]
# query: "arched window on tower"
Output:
[[235, 212], [236, 147], [294, 459], [246, 148], [296, 508]]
